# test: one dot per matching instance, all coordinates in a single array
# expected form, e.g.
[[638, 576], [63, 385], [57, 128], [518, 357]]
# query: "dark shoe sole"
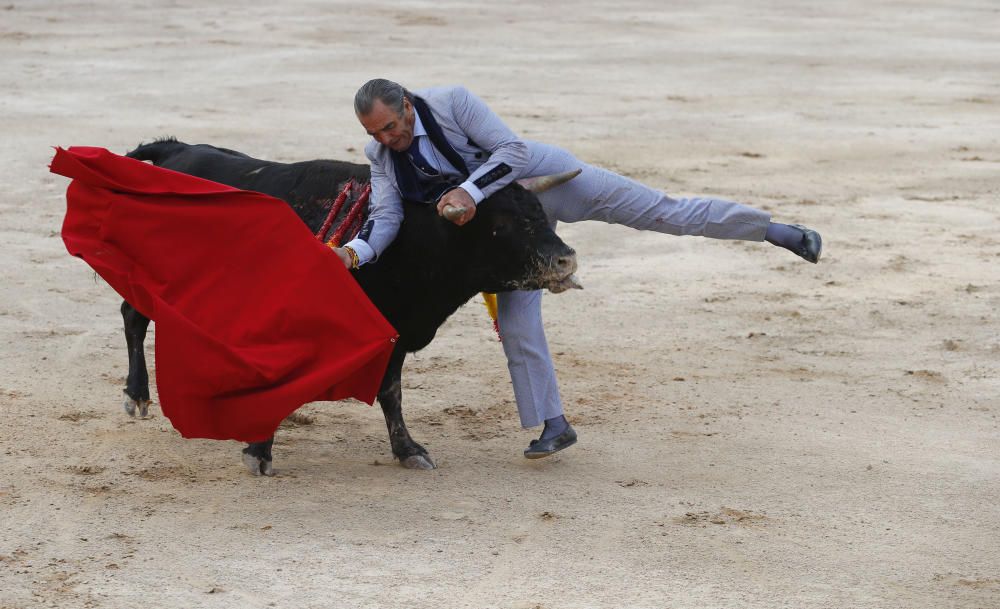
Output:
[[541, 454]]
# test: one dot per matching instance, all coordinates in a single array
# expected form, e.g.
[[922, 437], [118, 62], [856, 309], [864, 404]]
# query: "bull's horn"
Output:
[[543, 183], [452, 213]]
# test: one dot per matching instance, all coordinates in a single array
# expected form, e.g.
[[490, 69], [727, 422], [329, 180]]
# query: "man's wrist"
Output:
[[355, 261], [364, 251], [473, 190]]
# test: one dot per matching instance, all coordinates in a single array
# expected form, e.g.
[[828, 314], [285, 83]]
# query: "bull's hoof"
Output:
[[418, 462], [258, 466], [131, 405]]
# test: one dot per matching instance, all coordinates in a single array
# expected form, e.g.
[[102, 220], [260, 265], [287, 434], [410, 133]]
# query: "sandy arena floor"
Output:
[[755, 431]]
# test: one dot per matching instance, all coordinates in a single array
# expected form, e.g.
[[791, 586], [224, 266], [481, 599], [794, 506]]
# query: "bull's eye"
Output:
[[501, 226]]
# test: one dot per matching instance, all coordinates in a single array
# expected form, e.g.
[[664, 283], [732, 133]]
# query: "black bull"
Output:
[[432, 268]]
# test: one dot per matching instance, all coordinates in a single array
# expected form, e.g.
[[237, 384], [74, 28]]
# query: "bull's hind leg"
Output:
[[137, 383], [257, 457], [390, 397]]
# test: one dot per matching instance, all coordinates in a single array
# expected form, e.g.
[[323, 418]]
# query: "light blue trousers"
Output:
[[598, 194]]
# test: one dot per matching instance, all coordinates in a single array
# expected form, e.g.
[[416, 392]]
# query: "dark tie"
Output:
[[419, 161]]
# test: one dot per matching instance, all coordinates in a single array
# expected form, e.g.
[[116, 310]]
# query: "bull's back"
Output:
[[306, 186]]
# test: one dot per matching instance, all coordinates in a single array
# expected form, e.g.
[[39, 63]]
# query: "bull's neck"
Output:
[[425, 289]]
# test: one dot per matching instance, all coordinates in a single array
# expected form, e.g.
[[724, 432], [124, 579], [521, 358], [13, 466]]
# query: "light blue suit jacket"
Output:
[[477, 134]]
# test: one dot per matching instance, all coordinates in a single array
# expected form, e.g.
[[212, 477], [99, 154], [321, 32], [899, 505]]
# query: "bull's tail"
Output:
[[158, 150]]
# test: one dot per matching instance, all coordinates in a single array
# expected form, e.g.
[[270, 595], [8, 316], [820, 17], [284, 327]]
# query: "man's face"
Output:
[[387, 127]]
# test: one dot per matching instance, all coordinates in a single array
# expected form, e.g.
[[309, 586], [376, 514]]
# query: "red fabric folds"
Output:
[[254, 317]]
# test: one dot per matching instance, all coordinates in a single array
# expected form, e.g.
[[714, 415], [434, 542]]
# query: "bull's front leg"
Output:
[[137, 383], [390, 398], [257, 457]]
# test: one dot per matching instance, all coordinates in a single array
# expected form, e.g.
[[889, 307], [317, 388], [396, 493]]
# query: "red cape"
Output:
[[254, 316]]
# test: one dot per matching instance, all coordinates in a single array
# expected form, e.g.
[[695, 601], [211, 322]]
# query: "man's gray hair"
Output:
[[389, 93]]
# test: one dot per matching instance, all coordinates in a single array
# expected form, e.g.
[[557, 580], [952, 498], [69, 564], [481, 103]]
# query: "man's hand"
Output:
[[344, 256], [459, 199]]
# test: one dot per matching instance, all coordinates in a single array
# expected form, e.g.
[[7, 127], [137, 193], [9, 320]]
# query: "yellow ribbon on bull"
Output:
[[490, 300]]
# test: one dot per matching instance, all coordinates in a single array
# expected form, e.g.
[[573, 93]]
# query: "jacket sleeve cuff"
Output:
[[362, 249], [473, 190]]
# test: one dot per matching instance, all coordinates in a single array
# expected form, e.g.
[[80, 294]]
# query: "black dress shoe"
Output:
[[543, 448], [811, 246]]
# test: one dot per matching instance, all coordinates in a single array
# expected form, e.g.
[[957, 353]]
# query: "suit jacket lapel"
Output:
[[406, 175], [437, 136]]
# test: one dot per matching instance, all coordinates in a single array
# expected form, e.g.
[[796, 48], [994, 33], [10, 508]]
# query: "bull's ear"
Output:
[[542, 183]]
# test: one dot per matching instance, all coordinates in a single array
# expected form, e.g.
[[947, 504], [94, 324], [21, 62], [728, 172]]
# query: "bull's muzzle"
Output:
[[560, 273]]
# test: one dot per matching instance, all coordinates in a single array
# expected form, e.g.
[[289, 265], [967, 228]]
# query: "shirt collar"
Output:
[[418, 125]]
